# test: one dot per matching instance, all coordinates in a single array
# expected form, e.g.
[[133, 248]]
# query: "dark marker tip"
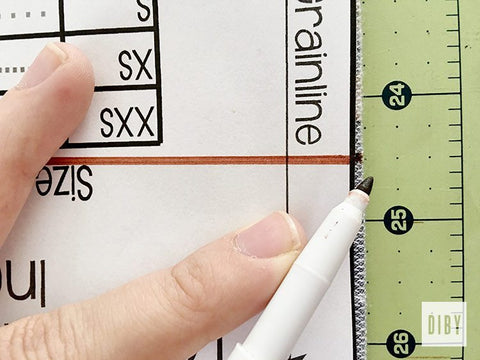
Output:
[[366, 185]]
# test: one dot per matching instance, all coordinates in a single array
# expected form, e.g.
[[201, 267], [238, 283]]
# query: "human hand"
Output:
[[169, 314]]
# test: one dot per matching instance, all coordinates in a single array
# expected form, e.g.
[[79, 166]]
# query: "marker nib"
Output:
[[366, 185]]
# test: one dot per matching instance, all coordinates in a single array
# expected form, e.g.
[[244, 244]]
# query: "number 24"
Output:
[[397, 99]]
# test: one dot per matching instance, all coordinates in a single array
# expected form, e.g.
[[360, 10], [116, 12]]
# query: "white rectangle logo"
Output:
[[444, 324]]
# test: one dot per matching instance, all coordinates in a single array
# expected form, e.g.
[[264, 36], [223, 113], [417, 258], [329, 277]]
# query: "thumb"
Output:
[[173, 313]]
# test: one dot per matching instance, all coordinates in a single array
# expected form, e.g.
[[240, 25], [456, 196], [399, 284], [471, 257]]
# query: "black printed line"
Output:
[[57, 34], [61, 19]]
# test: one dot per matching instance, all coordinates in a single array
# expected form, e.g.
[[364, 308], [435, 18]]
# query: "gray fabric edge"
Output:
[[359, 272]]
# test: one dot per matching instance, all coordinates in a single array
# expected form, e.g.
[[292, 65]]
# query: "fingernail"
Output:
[[277, 234], [49, 59]]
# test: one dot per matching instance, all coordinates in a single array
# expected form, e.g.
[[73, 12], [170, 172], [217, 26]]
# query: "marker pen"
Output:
[[292, 306]]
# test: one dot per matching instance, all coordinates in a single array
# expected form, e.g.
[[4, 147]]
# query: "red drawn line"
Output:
[[204, 160]]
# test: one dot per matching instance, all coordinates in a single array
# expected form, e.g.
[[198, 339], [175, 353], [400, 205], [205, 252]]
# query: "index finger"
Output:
[[36, 117]]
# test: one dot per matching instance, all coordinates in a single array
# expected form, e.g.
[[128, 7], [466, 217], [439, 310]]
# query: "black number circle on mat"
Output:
[[398, 220], [396, 95], [400, 343]]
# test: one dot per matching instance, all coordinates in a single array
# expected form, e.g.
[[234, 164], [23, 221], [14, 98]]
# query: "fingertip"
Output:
[[297, 229], [57, 63], [72, 83], [275, 235], [78, 65], [50, 101]]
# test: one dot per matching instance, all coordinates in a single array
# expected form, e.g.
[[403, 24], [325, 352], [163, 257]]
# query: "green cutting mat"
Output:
[[421, 63]]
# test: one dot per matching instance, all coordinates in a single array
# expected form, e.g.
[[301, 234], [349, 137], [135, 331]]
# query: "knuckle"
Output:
[[193, 289], [45, 336], [28, 339]]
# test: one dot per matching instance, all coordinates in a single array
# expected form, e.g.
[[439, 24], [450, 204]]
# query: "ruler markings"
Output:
[[438, 104], [436, 93], [383, 343], [417, 94], [461, 161], [419, 220]]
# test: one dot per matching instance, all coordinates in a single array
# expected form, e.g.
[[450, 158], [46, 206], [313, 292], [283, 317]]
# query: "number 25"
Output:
[[399, 217]]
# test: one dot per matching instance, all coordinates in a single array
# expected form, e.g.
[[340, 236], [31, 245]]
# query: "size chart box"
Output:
[[119, 69]]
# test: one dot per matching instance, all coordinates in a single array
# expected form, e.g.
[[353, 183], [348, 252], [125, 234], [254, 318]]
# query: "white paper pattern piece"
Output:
[[209, 113]]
